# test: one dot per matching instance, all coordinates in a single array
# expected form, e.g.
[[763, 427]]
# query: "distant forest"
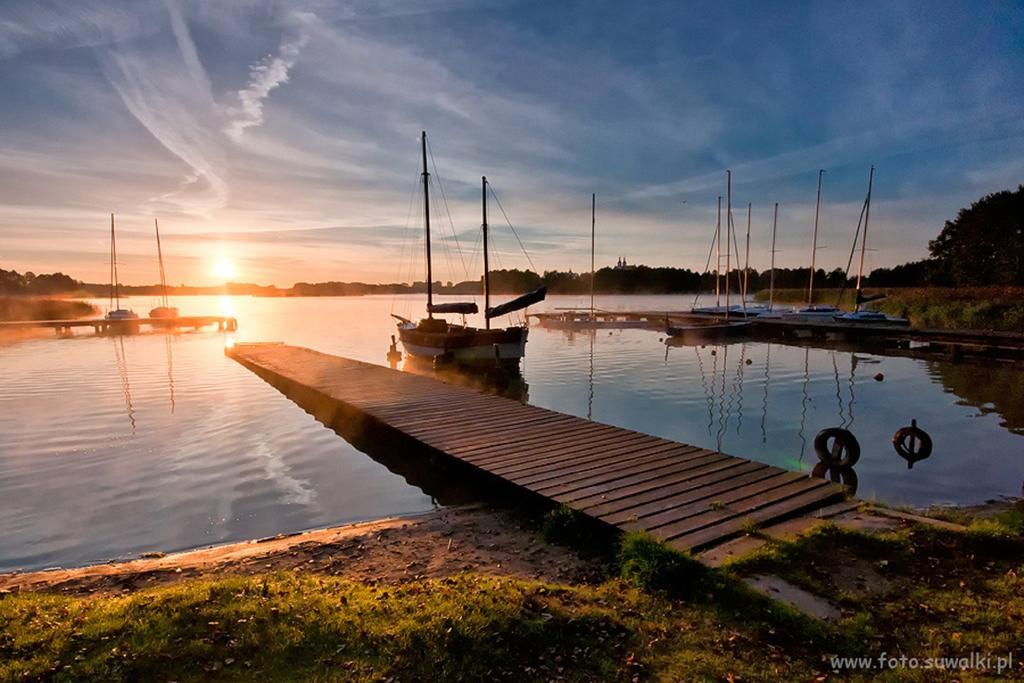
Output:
[[632, 280], [983, 245]]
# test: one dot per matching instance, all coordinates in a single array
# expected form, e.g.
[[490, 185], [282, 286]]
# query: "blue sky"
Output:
[[282, 136]]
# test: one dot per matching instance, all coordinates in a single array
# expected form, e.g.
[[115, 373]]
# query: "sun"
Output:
[[223, 268]]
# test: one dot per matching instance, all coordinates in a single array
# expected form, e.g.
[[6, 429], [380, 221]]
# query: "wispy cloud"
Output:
[[266, 75], [166, 89]]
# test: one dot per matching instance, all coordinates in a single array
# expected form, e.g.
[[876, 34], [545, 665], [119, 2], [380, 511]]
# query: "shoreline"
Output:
[[434, 544]]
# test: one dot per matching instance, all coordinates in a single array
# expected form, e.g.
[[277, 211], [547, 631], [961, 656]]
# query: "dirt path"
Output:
[[436, 544]]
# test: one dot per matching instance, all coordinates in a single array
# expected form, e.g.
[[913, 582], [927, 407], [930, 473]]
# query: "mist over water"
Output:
[[110, 447]]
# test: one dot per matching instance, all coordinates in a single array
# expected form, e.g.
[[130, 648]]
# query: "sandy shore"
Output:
[[436, 544]]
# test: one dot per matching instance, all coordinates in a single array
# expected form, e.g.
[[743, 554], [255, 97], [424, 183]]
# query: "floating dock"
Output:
[[921, 342], [690, 497], [64, 328]]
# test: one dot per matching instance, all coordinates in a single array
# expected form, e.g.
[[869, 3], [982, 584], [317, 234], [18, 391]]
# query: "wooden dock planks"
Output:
[[690, 497]]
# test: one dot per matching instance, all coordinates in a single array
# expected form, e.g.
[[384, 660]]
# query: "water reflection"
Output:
[[232, 459], [170, 368], [498, 381], [122, 371], [846, 476], [992, 388]]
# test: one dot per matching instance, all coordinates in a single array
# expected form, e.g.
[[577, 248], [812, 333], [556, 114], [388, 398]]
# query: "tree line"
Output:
[[983, 245]]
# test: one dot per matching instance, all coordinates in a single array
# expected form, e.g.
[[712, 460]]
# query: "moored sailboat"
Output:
[[115, 312], [164, 311], [437, 339], [813, 312], [863, 315]]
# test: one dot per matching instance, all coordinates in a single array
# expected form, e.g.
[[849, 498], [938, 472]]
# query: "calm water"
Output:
[[113, 447]]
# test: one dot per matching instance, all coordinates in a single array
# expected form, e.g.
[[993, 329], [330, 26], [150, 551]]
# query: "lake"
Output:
[[110, 447]]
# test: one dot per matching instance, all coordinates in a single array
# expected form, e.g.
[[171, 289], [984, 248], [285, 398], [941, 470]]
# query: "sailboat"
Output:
[[437, 339], [730, 319], [812, 312], [115, 312], [859, 315], [164, 311]]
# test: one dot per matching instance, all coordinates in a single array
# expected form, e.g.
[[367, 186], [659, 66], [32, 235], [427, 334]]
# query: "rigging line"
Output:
[[405, 237], [853, 250], [525, 253], [707, 266], [736, 250], [440, 186], [445, 246]]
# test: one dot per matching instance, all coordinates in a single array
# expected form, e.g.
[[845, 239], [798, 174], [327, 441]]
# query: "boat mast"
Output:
[[113, 259], [728, 230], [718, 255], [111, 304], [160, 256], [864, 239], [814, 240], [426, 223], [771, 278], [746, 259], [487, 269], [593, 223]]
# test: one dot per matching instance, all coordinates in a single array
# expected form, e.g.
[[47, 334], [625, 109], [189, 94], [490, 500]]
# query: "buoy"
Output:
[[912, 444], [844, 450], [879, 377]]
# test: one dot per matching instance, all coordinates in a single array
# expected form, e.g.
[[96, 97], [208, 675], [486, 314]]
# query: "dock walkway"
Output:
[[104, 326], [690, 497]]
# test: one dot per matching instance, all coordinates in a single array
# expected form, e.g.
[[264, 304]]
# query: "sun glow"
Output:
[[224, 268]]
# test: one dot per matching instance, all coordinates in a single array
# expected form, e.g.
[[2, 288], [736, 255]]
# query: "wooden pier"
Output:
[[921, 341], [64, 328], [690, 497]]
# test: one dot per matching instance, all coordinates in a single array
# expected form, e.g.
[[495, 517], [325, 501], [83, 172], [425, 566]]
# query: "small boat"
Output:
[[820, 313], [164, 311], [441, 341], [870, 317], [115, 312]]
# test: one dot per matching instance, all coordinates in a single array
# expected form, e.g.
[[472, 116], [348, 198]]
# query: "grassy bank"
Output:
[[914, 590], [31, 308], [965, 308]]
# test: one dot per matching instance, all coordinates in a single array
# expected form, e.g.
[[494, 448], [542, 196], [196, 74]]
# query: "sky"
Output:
[[278, 141]]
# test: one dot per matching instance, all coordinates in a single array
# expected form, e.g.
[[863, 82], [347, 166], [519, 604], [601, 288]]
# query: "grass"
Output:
[[962, 308], [30, 308], [922, 591], [665, 616], [284, 627]]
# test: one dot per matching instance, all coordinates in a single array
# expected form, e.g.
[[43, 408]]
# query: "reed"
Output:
[[998, 309], [31, 308]]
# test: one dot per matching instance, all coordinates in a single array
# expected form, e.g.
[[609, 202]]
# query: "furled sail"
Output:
[[465, 307], [518, 303]]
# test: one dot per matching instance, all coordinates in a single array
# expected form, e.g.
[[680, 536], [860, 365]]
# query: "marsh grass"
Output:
[[961, 308], [32, 308]]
